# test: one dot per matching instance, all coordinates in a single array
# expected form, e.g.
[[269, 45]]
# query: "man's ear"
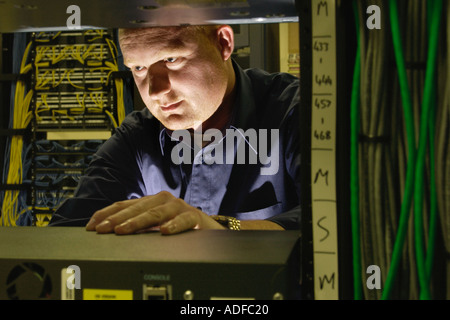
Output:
[[225, 36]]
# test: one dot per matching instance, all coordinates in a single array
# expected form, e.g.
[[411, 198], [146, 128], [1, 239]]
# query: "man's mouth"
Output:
[[171, 106]]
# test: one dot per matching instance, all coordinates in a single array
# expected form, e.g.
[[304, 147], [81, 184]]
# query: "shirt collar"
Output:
[[244, 105]]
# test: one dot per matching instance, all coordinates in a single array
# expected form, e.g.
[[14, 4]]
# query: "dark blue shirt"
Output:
[[251, 172]]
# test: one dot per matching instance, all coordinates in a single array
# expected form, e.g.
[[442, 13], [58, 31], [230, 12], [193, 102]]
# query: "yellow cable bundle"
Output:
[[97, 98], [40, 109], [46, 79], [118, 82], [82, 107], [120, 103], [21, 118]]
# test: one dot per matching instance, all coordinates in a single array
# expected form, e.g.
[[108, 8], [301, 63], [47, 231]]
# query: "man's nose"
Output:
[[159, 82]]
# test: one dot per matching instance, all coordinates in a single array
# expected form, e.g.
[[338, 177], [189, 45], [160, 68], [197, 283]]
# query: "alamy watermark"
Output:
[[74, 20], [74, 280], [234, 146], [374, 20], [374, 280]]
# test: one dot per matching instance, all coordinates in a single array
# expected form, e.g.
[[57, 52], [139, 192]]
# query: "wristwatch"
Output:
[[229, 222]]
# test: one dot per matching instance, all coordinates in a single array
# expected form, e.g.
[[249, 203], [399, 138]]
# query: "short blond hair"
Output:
[[197, 30]]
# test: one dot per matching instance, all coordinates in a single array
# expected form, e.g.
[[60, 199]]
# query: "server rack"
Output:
[[68, 99]]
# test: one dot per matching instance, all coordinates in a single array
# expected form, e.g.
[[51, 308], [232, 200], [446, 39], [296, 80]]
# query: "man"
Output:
[[145, 177]]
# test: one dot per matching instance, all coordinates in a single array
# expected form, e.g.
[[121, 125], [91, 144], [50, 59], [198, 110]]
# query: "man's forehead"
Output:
[[152, 36], [154, 41], [161, 40]]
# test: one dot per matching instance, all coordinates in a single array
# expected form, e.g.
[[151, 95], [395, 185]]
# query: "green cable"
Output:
[[433, 197], [354, 177], [424, 121], [409, 122], [433, 194]]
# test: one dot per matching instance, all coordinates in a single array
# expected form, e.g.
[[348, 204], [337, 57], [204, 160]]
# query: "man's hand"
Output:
[[171, 214]]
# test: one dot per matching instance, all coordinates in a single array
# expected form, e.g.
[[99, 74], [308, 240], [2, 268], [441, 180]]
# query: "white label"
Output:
[[323, 150]]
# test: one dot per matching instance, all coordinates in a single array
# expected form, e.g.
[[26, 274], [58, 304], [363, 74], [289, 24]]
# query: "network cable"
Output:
[[21, 117], [414, 184]]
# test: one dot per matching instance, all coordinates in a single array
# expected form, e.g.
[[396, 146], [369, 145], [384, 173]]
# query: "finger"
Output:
[[105, 220], [150, 218], [193, 219], [182, 222], [141, 208], [100, 215]]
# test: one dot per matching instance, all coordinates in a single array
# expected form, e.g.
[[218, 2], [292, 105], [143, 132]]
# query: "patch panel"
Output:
[[66, 86]]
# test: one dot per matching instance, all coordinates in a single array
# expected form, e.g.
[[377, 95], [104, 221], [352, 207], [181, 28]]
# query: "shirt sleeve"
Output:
[[113, 175], [289, 220]]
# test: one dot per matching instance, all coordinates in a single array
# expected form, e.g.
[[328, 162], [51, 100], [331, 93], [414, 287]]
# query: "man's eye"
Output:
[[170, 60]]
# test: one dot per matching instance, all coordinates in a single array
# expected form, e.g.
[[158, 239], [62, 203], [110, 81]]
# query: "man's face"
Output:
[[181, 75]]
